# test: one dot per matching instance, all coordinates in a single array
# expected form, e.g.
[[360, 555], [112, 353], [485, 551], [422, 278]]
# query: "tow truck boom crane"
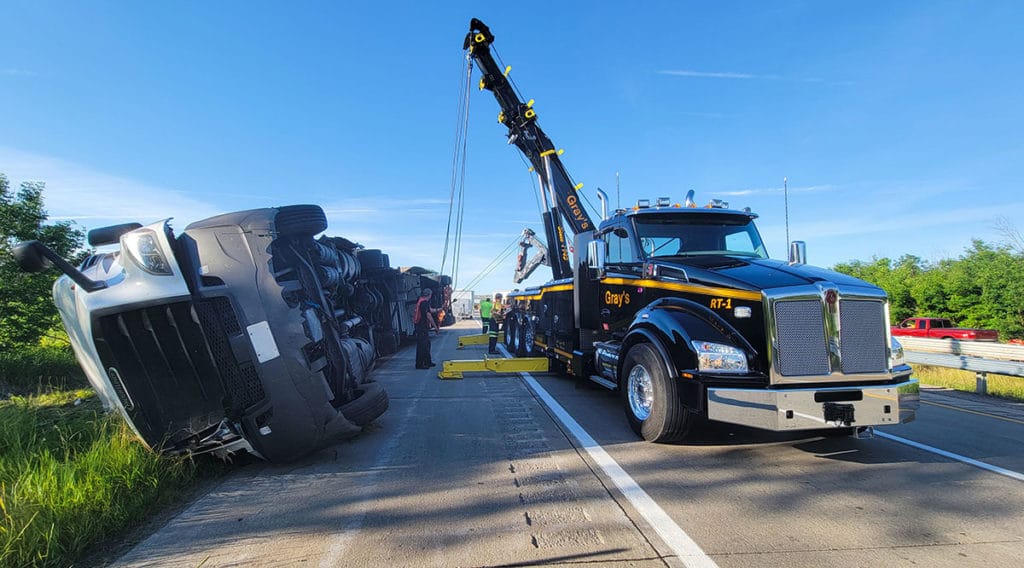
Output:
[[559, 196]]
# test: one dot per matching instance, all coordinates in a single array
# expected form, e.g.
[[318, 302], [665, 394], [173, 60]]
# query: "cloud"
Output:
[[77, 192], [780, 189], [714, 74], [746, 76], [15, 72]]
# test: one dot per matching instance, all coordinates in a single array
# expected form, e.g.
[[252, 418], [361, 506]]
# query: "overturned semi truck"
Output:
[[245, 332]]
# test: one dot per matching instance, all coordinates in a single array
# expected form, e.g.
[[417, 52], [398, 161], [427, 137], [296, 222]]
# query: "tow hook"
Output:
[[864, 433]]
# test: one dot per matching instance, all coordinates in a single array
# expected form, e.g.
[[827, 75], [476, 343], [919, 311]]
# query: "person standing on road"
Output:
[[423, 318], [485, 314], [497, 314]]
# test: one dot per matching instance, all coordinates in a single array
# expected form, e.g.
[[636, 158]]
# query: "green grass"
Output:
[[998, 385], [25, 370], [72, 475]]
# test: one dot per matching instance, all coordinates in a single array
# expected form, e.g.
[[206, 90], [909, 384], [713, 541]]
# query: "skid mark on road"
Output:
[[684, 547], [553, 508], [964, 459]]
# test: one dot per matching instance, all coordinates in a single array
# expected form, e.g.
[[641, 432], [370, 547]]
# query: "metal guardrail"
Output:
[[980, 357]]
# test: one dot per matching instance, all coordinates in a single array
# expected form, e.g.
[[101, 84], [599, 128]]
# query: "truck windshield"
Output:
[[697, 234]]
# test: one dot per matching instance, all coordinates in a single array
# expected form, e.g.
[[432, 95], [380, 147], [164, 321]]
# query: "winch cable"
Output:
[[495, 263], [456, 202]]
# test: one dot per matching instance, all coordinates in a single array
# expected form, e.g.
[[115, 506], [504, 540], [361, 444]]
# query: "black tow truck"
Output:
[[679, 308]]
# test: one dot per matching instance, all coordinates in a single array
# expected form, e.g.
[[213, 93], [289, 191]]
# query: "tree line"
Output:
[[27, 311], [984, 287]]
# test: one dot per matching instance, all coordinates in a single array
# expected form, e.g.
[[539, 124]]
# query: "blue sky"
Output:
[[900, 125]]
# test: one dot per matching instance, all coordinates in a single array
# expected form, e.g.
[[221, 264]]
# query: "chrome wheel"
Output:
[[640, 392], [528, 335]]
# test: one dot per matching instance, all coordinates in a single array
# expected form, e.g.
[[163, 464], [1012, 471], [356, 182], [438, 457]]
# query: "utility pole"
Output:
[[618, 194], [785, 193]]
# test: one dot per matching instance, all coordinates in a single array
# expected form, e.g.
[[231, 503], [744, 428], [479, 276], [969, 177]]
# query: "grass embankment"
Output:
[[998, 385], [70, 474], [27, 370]]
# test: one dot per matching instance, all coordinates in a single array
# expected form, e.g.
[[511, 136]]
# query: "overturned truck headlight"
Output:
[[719, 358], [144, 250]]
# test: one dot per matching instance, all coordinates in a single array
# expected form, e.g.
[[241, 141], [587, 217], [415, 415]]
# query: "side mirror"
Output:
[[798, 252], [29, 257], [596, 258], [32, 256], [111, 235]]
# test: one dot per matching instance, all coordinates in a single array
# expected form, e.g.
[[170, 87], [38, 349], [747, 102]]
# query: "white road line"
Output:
[[951, 455], [675, 537]]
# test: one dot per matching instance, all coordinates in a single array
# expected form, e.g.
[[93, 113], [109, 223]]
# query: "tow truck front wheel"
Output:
[[651, 397]]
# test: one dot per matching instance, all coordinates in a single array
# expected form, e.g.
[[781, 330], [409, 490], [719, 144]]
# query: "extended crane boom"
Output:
[[558, 193]]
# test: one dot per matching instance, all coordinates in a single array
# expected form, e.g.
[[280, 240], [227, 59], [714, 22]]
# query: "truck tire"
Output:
[[511, 331], [524, 339], [387, 343], [371, 259], [651, 397], [368, 406], [300, 220]]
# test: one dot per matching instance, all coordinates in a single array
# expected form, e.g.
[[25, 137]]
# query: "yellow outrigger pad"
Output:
[[454, 369], [478, 339]]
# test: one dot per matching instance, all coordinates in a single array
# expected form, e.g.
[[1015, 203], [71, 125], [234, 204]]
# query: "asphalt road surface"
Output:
[[514, 470]]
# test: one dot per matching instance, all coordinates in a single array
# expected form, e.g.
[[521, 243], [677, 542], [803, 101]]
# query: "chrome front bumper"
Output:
[[815, 408]]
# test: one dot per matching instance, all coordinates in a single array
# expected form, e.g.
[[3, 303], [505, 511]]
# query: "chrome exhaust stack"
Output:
[[604, 203]]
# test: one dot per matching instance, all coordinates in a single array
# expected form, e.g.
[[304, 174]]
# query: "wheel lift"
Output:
[[454, 369]]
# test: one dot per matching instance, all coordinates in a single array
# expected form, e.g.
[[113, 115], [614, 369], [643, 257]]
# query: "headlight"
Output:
[[718, 358], [897, 359], [144, 249]]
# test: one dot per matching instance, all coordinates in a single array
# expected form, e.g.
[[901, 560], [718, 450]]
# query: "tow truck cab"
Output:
[[684, 303]]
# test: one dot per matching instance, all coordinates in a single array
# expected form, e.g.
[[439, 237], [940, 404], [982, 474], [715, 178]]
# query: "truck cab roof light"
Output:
[[643, 203], [717, 204], [664, 202]]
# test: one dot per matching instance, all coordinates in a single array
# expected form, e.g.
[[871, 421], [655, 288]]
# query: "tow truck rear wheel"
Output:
[[524, 339], [650, 397], [511, 333]]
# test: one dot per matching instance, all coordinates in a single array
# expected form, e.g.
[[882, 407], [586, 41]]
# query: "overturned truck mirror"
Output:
[[32, 256], [111, 235], [28, 256]]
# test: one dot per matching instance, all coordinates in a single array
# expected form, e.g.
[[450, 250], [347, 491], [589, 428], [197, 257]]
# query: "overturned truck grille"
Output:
[[811, 340], [166, 365]]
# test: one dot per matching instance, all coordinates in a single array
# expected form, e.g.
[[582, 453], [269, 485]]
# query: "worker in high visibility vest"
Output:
[[485, 314], [497, 315]]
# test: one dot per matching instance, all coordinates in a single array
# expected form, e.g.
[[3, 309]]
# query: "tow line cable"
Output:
[[456, 199]]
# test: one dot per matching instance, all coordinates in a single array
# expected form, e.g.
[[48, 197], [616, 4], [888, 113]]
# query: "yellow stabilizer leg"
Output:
[[454, 369], [478, 339]]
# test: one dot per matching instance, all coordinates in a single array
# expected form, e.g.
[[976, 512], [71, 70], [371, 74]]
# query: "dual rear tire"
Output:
[[519, 335]]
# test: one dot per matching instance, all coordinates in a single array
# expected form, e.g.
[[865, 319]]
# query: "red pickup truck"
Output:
[[942, 328]]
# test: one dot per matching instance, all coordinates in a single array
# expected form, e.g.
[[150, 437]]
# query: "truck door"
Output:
[[618, 298]]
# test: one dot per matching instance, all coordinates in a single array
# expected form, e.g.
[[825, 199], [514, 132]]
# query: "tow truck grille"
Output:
[[861, 336], [806, 347], [802, 346]]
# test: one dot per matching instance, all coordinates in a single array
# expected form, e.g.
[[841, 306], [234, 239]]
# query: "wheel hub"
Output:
[[640, 392]]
